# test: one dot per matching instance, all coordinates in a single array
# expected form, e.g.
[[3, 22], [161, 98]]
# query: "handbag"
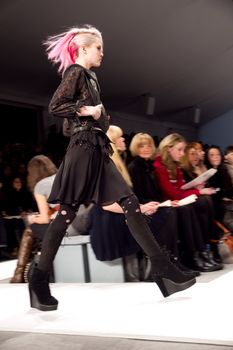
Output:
[[225, 244]]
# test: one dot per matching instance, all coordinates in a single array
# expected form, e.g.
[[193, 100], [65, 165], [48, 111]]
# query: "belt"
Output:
[[85, 128]]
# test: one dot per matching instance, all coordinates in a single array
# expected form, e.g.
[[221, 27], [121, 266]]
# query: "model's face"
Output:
[[193, 156], [214, 157], [229, 157], [177, 151], [120, 144], [94, 53], [145, 150]]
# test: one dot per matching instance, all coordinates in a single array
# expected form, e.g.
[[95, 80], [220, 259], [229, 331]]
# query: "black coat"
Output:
[[144, 180]]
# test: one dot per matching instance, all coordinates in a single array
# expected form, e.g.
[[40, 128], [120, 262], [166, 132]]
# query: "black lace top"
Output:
[[79, 87]]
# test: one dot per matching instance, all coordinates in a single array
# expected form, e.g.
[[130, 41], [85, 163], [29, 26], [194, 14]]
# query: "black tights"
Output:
[[54, 235], [134, 219]]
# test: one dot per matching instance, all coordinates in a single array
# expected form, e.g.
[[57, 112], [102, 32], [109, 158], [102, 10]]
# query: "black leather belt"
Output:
[[85, 128]]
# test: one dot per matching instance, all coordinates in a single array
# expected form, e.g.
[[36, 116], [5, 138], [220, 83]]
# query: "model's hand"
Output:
[[94, 111]]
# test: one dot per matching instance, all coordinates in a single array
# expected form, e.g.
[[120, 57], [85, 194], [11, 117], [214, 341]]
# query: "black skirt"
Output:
[[87, 173]]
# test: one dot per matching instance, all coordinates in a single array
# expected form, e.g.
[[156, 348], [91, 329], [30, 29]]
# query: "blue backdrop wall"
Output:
[[219, 131]]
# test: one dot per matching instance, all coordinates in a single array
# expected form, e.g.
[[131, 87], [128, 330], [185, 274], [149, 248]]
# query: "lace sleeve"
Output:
[[69, 96]]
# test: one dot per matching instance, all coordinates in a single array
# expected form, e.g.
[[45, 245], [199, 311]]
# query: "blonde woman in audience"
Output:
[[171, 179], [109, 234]]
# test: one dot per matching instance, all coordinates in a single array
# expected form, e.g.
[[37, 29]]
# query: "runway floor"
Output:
[[202, 314]]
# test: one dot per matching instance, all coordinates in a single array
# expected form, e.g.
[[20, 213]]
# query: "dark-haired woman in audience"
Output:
[[228, 161], [223, 199]]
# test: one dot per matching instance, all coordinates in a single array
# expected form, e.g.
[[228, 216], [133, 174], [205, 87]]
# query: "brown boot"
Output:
[[25, 250]]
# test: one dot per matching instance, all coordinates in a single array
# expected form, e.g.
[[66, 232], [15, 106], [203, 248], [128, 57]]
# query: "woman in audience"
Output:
[[189, 162], [171, 179], [200, 167], [41, 174], [228, 161], [221, 180], [17, 200]]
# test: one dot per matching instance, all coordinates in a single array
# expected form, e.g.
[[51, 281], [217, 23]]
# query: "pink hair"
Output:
[[63, 48]]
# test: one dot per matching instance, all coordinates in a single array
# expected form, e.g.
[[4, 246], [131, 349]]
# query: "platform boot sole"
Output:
[[168, 287]]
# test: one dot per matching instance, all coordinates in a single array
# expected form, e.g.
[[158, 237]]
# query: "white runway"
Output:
[[201, 314]]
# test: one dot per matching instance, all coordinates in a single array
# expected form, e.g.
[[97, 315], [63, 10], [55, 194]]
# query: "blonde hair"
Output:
[[141, 139], [114, 132], [168, 142]]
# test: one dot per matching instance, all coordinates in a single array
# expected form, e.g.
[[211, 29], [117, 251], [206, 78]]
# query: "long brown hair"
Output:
[[39, 167], [168, 142]]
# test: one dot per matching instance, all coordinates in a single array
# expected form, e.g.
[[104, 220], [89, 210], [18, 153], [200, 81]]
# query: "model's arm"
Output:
[[67, 99], [71, 97]]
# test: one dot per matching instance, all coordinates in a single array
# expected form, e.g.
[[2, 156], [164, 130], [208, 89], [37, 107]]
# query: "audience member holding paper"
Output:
[[171, 179]]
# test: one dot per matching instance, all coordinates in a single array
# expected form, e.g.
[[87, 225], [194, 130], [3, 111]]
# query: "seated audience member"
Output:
[[189, 163], [17, 200], [228, 161], [41, 173], [223, 198], [170, 178], [4, 255], [200, 167]]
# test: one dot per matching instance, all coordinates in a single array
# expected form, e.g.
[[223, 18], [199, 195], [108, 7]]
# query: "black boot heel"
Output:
[[169, 278], [34, 303], [168, 287], [39, 292]]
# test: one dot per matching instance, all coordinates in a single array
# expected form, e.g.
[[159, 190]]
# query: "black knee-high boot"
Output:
[[40, 295], [169, 278]]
